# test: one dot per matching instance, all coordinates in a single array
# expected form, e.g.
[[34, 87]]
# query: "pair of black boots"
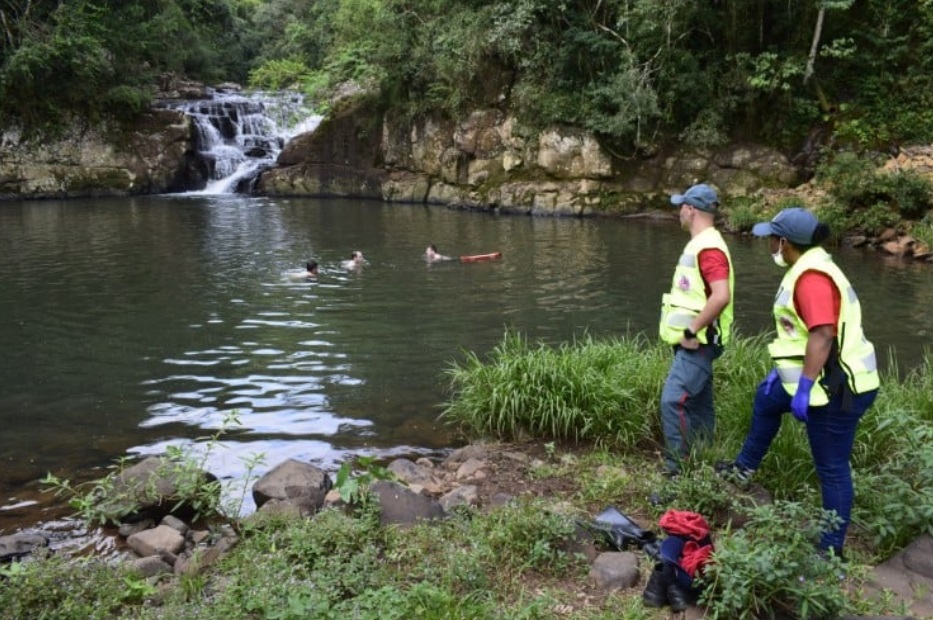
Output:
[[663, 589]]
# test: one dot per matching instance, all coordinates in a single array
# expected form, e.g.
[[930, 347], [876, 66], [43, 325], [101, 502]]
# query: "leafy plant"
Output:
[[12, 570], [911, 194], [707, 493], [353, 488], [524, 536], [837, 217], [850, 179], [893, 464], [875, 218], [771, 565], [137, 588]]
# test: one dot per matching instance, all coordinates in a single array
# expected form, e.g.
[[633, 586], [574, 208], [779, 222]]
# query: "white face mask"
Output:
[[778, 256]]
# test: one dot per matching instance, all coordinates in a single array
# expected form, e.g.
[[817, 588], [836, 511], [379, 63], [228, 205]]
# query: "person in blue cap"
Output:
[[696, 320], [825, 372]]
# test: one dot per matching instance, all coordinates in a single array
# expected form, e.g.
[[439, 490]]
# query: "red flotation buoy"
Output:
[[475, 258]]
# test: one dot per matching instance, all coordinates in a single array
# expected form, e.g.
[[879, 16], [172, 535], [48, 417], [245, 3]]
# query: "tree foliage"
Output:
[[636, 72], [102, 58]]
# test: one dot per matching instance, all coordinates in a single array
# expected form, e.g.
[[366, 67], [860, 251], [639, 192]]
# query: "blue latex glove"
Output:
[[801, 400], [771, 380]]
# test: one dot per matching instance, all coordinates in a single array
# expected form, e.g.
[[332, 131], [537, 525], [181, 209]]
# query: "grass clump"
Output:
[[743, 213], [922, 231], [583, 391]]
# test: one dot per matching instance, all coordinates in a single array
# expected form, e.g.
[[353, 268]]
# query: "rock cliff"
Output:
[[146, 158], [488, 161]]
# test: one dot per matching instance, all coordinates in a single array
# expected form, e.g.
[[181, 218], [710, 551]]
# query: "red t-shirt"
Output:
[[817, 300], [714, 266]]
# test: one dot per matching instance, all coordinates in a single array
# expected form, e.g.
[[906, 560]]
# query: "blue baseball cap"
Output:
[[701, 196], [795, 224]]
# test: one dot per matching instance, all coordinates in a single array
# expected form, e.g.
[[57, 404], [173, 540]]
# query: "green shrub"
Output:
[[279, 74], [875, 218], [869, 199], [524, 536], [126, 102], [334, 535], [707, 130], [706, 493], [850, 179], [771, 565], [910, 193], [742, 213], [837, 217]]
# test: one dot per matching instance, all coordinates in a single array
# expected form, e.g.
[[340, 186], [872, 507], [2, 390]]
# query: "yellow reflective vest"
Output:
[[853, 354], [688, 294]]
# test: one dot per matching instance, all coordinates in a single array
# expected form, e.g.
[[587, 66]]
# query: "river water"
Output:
[[127, 325]]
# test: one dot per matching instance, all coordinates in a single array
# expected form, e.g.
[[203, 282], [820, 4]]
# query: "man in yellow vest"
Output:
[[825, 372], [696, 320]]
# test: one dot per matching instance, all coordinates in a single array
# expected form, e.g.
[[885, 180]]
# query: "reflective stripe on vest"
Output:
[[688, 293], [856, 354]]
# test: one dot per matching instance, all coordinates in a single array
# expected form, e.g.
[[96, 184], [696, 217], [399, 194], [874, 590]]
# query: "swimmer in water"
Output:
[[356, 260], [310, 271], [431, 254]]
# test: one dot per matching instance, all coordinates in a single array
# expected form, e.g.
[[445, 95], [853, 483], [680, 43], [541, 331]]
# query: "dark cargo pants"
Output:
[[687, 414]]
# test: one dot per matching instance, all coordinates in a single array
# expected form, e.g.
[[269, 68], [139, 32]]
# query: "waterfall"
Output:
[[238, 135]]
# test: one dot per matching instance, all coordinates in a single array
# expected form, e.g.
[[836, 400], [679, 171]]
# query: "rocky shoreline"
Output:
[[156, 544]]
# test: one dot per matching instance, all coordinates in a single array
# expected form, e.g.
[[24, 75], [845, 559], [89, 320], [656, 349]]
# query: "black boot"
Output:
[[679, 597], [655, 594]]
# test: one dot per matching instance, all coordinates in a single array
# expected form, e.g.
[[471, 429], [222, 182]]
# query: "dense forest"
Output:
[[636, 72]]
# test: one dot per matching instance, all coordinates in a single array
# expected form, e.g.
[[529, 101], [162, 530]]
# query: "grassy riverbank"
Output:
[[607, 391], [586, 415]]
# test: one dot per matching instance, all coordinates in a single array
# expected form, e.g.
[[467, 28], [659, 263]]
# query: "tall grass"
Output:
[[601, 390], [606, 391]]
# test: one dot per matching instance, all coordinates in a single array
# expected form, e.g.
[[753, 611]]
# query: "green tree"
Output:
[[100, 58]]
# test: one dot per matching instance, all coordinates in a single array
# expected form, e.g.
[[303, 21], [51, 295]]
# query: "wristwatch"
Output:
[[689, 335]]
